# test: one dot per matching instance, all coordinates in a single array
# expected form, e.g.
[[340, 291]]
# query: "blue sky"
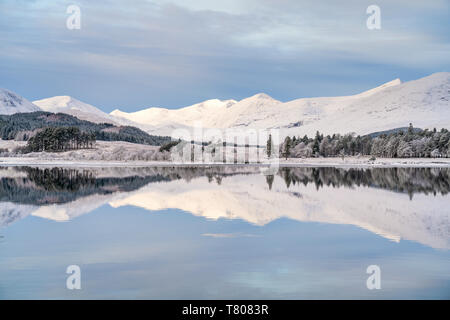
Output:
[[136, 54]]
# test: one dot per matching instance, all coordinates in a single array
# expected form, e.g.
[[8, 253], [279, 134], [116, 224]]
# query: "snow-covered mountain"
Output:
[[206, 111], [76, 108], [424, 102], [11, 103]]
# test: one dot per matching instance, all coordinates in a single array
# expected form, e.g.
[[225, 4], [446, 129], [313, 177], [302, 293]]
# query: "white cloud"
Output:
[[213, 44]]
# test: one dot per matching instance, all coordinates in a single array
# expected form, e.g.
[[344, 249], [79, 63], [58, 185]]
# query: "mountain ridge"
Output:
[[390, 105], [425, 102]]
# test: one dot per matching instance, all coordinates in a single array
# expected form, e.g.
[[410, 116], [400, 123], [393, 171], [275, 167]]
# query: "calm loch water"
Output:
[[224, 233]]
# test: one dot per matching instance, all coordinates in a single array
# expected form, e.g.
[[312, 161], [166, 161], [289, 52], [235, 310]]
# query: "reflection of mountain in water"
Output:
[[380, 199], [26, 190]]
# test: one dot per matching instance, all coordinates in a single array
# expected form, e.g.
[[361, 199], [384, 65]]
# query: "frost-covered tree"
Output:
[[409, 142]]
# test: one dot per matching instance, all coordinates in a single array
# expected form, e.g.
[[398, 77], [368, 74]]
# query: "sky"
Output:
[[137, 54]]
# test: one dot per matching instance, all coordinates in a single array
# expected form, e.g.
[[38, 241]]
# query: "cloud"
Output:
[[209, 49]]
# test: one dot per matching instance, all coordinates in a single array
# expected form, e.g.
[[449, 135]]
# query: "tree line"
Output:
[[397, 144], [55, 139], [21, 126]]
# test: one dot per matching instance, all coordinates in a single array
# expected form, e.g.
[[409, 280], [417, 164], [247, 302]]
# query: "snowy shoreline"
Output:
[[348, 162]]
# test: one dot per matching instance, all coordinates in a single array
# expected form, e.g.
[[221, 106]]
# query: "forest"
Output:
[[59, 139], [407, 143], [22, 126]]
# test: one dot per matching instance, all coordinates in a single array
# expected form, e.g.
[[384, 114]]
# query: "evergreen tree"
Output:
[[287, 147], [269, 146], [403, 143], [59, 139], [316, 145]]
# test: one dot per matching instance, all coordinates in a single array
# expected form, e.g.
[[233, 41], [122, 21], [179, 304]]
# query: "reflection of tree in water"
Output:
[[57, 179], [405, 180], [269, 180], [61, 185], [57, 185]]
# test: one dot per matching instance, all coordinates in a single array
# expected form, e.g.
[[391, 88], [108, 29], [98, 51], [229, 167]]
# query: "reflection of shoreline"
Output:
[[41, 186], [328, 195], [347, 162]]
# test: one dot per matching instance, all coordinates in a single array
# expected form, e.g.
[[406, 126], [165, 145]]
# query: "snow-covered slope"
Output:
[[76, 108], [11, 103], [424, 102], [207, 112]]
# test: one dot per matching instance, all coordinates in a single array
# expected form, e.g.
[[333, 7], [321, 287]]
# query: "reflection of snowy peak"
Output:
[[11, 212], [392, 215], [389, 214], [11, 103], [424, 102]]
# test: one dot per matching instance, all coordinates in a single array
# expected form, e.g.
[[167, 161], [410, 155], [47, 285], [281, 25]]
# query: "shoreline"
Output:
[[348, 162]]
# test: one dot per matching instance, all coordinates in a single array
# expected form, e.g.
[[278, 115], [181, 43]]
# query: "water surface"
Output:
[[224, 232]]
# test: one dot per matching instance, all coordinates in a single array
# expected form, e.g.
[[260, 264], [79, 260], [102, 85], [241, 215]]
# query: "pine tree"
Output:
[[316, 145], [269, 146], [410, 129], [287, 146]]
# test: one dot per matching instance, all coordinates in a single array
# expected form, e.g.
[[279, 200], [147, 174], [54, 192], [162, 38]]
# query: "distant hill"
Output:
[[22, 126], [11, 103], [76, 108]]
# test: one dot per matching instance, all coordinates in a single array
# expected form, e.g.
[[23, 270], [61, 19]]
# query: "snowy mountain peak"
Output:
[[261, 96], [76, 108], [384, 86], [212, 103], [11, 103], [62, 100], [116, 113], [63, 103]]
